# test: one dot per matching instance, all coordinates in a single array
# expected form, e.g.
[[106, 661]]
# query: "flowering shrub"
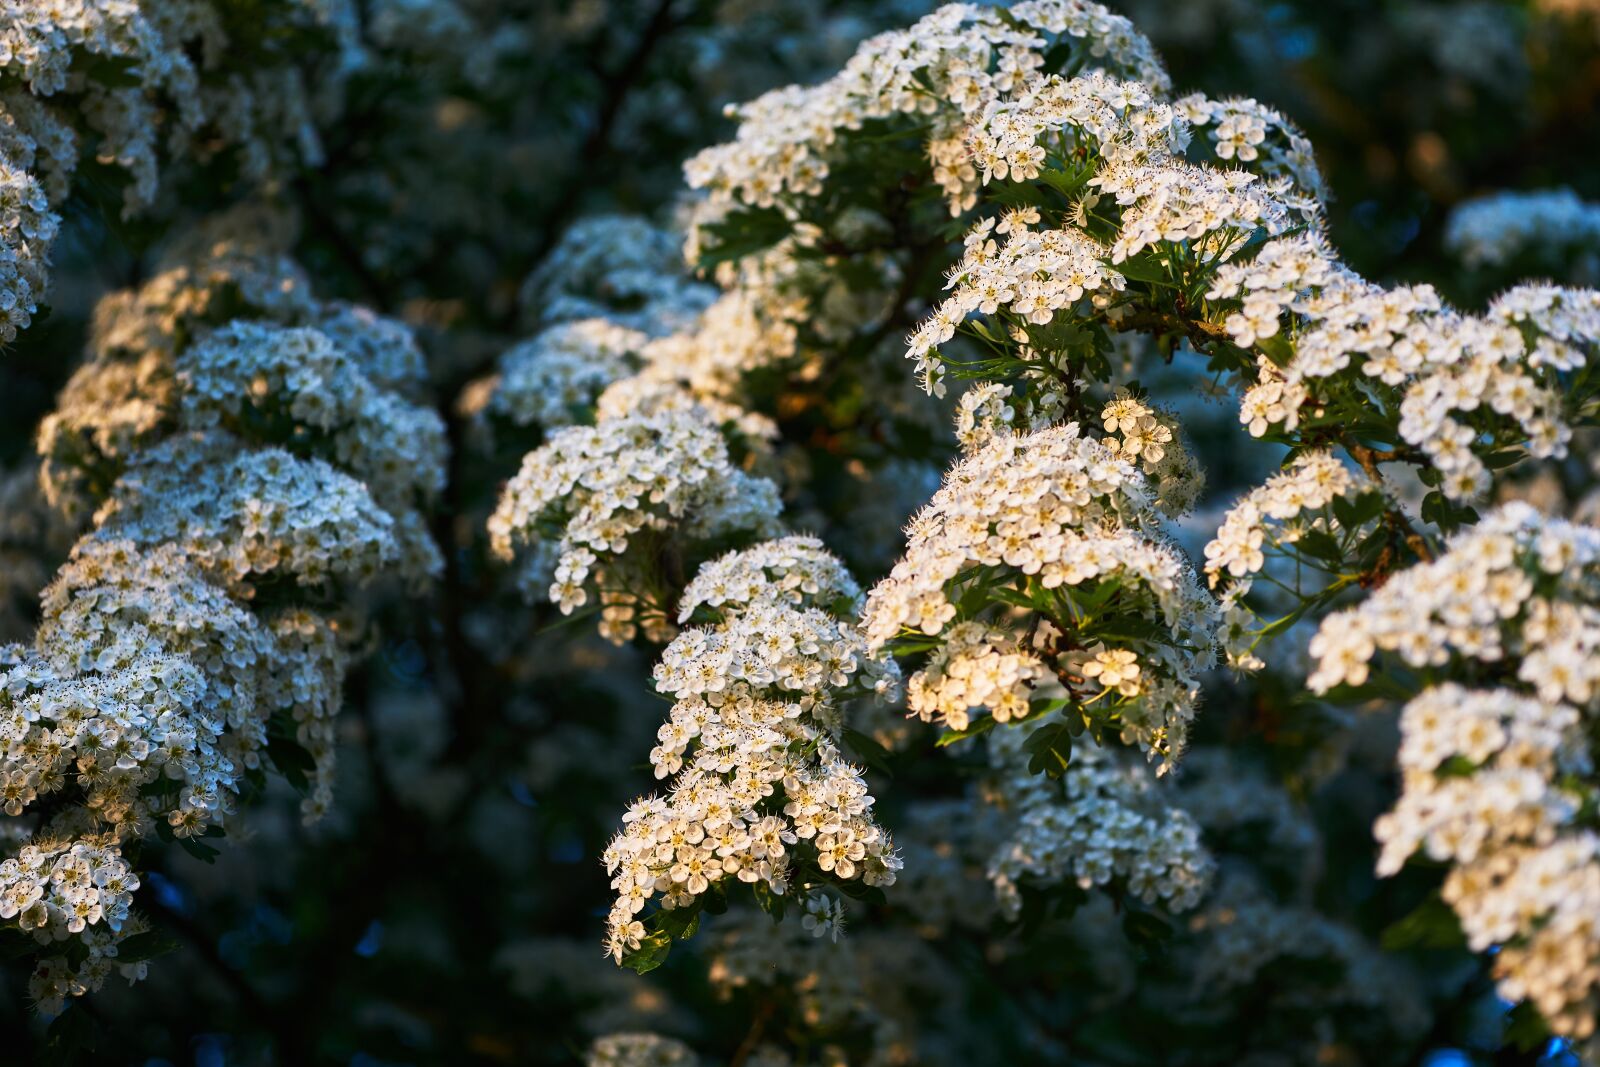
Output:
[[1086, 583], [189, 644]]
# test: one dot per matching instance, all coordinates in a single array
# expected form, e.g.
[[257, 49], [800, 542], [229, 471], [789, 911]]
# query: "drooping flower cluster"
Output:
[[1103, 822], [761, 792], [593, 501], [1495, 777], [1060, 523], [941, 70], [189, 643]]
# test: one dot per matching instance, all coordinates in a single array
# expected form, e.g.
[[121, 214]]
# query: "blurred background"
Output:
[[450, 909]]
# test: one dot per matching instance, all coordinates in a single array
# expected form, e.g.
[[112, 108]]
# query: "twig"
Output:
[[1369, 459]]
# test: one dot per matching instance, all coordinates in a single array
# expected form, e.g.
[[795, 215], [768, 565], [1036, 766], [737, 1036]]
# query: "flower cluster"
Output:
[[1515, 590], [125, 394], [1058, 521], [1291, 504], [1032, 275], [1248, 133], [742, 332], [62, 885], [1103, 822], [189, 643], [244, 516], [1482, 771], [941, 70], [1453, 385], [1486, 790], [640, 1050], [1214, 210], [1494, 230], [590, 493], [761, 792], [1150, 436], [27, 228], [665, 357], [337, 387], [1495, 778], [990, 408], [619, 268], [978, 667], [796, 570], [554, 378], [297, 386], [121, 73], [1123, 122]]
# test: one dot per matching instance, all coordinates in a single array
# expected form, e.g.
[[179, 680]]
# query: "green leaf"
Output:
[[199, 850], [1145, 928], [145, 946], [651, 953], [678, 923], [1068, 185], [774, 904], [162, 787], [744, 233], [72, 1032], [111, 72], [291, 759], [1446, 515], [1145, 267], [950, 737], [1525, 1029], [1050, 749], [872, 754], [1432, 924], [1503, 458], [1355, 513], [856, 889], [1321, 545]]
